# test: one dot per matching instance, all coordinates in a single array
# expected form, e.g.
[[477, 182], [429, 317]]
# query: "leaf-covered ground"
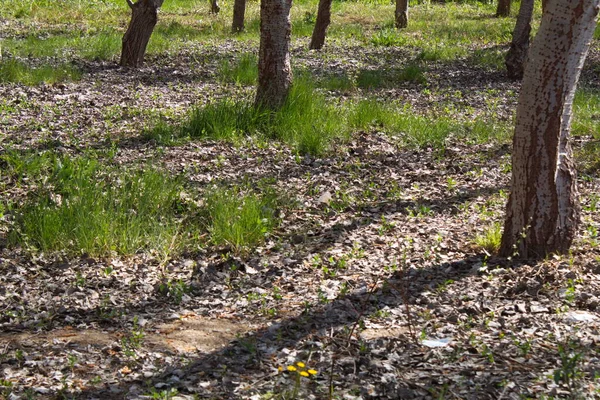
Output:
[[372, 278]]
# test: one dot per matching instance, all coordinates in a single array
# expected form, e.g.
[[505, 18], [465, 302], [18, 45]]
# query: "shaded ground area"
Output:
[[372, 278]]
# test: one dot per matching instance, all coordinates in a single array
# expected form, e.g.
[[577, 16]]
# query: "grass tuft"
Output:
[[490, 239], [18, 72], [83, 210], [242, 72], [240, 220]]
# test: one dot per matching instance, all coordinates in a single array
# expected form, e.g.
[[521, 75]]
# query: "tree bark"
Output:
[[323, 20], [503, 9], [274, 69], [517, 54], [543, 211], [214, 6], [401, 14], [144, 15], [239, 10]]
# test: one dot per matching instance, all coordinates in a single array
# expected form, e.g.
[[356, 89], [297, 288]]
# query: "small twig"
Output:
[[404, 295], [331, 371], [362, 312]]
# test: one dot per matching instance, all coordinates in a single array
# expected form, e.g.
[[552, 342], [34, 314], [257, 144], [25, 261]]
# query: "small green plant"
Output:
[[489, 240], [297, 372], [134, 340], [569, 372], [175, 289], [167, 394]]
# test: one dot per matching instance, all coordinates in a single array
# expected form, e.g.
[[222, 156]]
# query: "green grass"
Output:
[[423, 131], [307, 122], [82, 208], [243, 71], [490, 239], [18, 72], [240, 220], [586, 110]]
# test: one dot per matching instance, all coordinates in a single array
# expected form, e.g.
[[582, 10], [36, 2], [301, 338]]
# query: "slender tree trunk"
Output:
[[323, 20], [239, 9], [503, 9], [517, 54], [274, 69], [401, 14], [144, 15], [214, 6], [543, 211]]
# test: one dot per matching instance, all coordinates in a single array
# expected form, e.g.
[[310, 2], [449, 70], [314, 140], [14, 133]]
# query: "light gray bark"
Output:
[[542, 211], [517, 54], [274, 69], [401, 14]]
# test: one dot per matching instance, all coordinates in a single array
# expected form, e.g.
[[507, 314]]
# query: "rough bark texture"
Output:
[[214, 6], [542, 211], [401, 14], [503, 9], [517, 54], [323, 20], [239, 10], [274, 70], [144, 15]]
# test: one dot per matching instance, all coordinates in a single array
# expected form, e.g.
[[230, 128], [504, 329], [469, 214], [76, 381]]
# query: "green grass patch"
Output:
[[490, 239], [18, 72], [238, 219], [586, 110], [307, 121], [243, 71], [83, 208]]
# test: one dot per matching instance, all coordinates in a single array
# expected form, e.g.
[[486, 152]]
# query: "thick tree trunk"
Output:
[[214, 6], [274, 69], [503, 9], [144, 15], [517, 54], [239, 9], [542, 211], [401, 14], [323, 20]]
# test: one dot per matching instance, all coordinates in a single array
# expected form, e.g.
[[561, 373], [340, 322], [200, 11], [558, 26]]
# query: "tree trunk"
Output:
[[503, 9], [214, 6], [144, 15], [517, 54], [401, 14], [239, 9], [323, 20], [542, 212], [274, 69]]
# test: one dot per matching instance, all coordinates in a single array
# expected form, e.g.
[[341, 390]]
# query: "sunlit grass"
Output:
[[18, 72]]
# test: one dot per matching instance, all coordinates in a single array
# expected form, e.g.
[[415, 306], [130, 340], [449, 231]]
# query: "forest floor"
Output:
[[372, 282]]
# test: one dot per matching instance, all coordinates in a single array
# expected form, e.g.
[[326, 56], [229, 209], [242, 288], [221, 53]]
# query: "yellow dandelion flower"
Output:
[[291, 368], [312, 371], [300, 364], [304, 373], [280, 368]]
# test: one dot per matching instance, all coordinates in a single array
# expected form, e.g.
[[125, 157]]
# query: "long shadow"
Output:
[[244, 355]]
